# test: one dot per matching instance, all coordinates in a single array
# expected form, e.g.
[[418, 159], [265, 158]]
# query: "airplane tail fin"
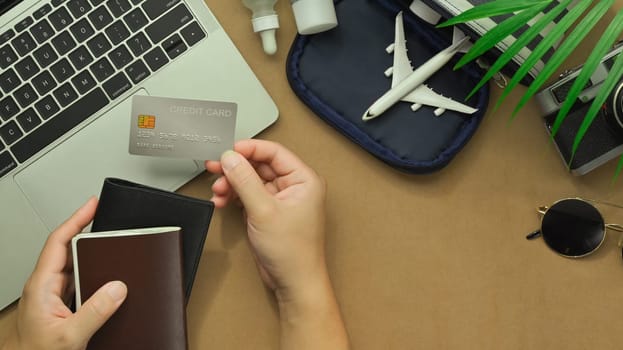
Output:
[[460, 41]]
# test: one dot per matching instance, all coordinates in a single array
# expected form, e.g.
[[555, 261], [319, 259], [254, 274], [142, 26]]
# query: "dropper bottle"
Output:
[[265, 22]]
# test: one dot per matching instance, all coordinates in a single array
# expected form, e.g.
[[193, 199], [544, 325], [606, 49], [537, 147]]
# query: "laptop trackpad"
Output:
[[64, 178]]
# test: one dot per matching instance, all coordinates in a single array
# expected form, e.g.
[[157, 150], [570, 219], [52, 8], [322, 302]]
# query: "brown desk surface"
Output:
[[433, 261]]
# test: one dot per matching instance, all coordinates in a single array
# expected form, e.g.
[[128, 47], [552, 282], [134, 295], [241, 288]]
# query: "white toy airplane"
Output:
[[407, 84]]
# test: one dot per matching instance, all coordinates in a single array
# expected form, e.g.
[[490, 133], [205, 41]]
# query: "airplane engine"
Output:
[[415, 106], [439, 111], [389, 71], [390, 48]]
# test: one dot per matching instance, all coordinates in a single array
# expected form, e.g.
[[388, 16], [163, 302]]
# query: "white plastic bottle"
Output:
[[265, 22], [314, 16]]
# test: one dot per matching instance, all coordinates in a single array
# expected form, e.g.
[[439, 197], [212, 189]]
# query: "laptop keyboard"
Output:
[[70, 58]]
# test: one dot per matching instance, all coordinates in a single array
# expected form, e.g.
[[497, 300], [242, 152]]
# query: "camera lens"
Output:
[[614, 109]]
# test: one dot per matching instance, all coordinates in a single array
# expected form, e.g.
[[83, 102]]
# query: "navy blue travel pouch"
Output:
[[339, 74]]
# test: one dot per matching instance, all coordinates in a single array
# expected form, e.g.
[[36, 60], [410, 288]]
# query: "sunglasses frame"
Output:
[[542, 210]]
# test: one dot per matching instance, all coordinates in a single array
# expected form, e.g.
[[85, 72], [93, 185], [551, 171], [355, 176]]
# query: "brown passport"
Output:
[[149, 262]]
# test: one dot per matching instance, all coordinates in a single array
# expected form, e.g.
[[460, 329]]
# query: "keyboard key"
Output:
[[82, 30], [168, 24], [174, 46], [6, 36], [7, 163], [154, 8], [102, 69], [100, 17], [25, 95], [78, 8], [96, 2], [8, 108], [43, 82], [99, 45], [9, 81], [83, 82], [63, 43], [156, 58], [80, 57], [120, 56], [47, 107], [42, 31], [137, 71], [136, 2], [10, 132], [59, 125], [56, 3], [62, 70], [135, 20], [192, 33], [60, 18], [7, 56], [117, 32], [28, 120], [65, 94], [45, 55], [42, 11], [23, 43], [26, 68], [118, 7], [23, 24], [139, 44], [117, 85]]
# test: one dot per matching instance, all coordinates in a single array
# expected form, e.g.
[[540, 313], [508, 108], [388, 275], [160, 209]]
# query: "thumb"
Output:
[[245, 181], [98, 309]]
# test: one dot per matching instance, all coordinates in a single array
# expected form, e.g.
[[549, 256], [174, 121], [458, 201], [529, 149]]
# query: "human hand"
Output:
[[283, 201], [284, 205], [43, 319]]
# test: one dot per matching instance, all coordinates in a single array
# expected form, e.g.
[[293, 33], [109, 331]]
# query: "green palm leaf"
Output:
[[499, 32], [519, 44], [604, 91], [601, 49], [542, 48], [506, 28], [492, 9], [565, 49], [619, 168]]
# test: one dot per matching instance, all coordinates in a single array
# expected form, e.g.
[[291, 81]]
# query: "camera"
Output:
[[603, 140]]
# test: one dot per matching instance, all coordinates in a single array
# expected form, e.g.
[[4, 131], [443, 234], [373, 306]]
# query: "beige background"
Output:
[[433, 261]]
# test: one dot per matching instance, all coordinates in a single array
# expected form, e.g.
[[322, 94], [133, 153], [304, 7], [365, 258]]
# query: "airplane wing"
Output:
[[402, 66], [423, 95]]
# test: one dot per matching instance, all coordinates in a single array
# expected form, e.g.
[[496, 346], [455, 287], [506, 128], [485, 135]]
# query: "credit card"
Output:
[[181, 128]]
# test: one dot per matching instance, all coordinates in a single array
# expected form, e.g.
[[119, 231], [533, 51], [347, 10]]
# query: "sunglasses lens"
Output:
[[573, 227]]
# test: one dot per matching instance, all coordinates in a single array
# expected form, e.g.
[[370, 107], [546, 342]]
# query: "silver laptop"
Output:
[[68, 70]]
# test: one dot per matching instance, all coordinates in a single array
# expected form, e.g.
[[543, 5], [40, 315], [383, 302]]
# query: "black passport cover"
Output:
[[127, 205]]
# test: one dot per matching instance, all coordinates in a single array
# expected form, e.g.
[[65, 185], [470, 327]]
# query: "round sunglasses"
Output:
[[573, 227]]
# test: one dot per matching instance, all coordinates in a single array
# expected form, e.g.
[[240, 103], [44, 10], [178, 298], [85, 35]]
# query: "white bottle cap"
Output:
[[268, 41], [266, 26], [314, 16]]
